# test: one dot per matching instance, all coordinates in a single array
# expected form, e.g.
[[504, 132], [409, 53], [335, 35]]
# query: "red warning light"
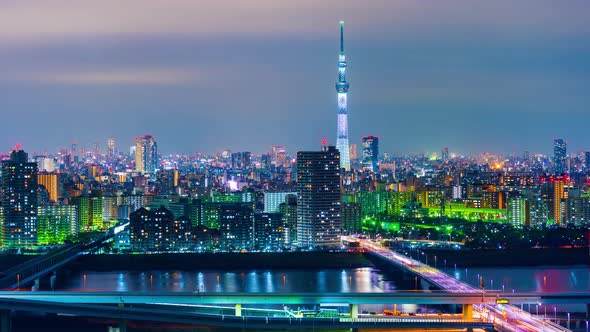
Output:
[[324, 141], [17, 146]]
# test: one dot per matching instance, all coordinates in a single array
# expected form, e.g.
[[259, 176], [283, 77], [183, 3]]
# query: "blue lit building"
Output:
[[560, 156], [371, 153]]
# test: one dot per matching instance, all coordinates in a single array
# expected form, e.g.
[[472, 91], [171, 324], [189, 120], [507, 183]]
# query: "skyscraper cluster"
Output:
[[240, 201]]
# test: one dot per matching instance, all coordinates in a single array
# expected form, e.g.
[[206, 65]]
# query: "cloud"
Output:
[[114, 76], [47, 20]]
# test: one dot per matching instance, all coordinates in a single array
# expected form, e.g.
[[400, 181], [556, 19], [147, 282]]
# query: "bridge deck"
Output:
[[508, 317], [160, 314]]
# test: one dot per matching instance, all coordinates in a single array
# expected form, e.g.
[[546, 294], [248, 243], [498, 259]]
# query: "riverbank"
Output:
[[222, 261], [507, 257], [316, 260]]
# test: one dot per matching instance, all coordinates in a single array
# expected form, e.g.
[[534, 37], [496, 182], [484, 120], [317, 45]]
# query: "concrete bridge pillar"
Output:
[[238, 309], [46, 282], [122, 322], [5, 321], [354, 311], [123, 325], [468, 311]]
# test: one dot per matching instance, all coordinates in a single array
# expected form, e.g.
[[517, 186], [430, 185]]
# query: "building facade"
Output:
[[146, 154], [318, 198], [18, 199], [371, 153]]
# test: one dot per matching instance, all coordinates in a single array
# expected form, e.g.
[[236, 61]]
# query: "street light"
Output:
[[555, 311], [545, 311]]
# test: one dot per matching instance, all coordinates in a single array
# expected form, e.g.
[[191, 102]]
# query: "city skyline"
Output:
[[418, 74]]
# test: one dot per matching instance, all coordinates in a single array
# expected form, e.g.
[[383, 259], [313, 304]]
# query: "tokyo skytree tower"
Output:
[[342, 89]]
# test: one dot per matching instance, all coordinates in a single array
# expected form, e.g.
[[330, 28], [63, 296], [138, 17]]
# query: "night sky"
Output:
[[498, 76]]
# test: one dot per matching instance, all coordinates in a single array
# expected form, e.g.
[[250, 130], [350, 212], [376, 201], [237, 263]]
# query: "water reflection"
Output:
[[546, 279], [528, 279], [270, 281]]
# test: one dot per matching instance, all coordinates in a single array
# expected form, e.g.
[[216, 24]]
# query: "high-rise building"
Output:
[[354, 152], [288, 211], [167, 181], [560, 156], [57, 223], [577, 210], [371, 153], [266, 160], [268, 232], [84, 216], [553, 194], [109, 210], [318, 198], [587, 161], [517, 213], [241, 160], [18, 197], [273, 200], [342, 87], [179, 235], [558, 196], [110, 149], [236, 226], [151, 230], [279, 155], [45, 164], [351, 217], [51, 183], [146, 154], [445, 154]]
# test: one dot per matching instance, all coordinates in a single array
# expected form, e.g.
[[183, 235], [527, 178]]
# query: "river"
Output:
[[519, 279]]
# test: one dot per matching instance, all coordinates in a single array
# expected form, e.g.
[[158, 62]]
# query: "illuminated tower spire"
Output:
[[342, 89]]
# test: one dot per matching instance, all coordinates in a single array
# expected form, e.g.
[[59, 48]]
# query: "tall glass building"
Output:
[[318, 198], [146, 154], [371, 153], [18, 184], [560, 156]]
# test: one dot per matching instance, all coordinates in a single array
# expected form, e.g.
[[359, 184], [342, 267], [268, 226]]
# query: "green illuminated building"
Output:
[[56, 223]]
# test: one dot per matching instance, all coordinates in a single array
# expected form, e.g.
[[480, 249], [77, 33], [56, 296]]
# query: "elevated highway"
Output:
[[189, 298], [506, 317], [167, 314], [27, 272]]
